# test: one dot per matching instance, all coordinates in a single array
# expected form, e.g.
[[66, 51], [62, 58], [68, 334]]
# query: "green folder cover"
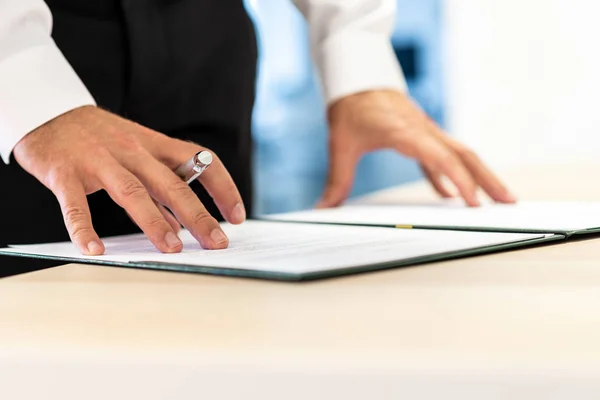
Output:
[[295, 251]]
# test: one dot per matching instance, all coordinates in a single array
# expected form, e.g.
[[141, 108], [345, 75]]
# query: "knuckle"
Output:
[[95, 157], [74, 215], [446, 161], [75, 218], [155, 222], [178, 188], [156, 141], [129, 143], [97, 149], [60, 173], [203, 218], [178, 192], [132, 188], [147, 133]]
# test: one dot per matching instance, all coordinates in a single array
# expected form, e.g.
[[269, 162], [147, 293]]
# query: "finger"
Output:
[[129, 193], [440, 159], [488, 181], [216, 179], [484, 177], [436, 181], [169, 217], [220, 186], [168, 189], [342, 167], [76, 214]]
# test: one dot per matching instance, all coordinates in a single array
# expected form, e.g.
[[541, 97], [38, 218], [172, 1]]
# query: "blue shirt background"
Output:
[[289, 126]]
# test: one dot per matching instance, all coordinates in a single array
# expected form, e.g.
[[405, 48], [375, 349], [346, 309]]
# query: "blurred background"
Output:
[[290, 128], [517, 80]]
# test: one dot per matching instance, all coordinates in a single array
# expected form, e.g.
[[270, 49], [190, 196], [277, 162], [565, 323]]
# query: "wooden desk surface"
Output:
[[521, 324]]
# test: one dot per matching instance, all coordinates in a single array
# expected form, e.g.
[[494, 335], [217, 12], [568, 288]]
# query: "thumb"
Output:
[[342, 167]]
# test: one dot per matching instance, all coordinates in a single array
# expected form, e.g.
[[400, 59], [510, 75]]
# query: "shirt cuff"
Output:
[[350, 63], [38, 84]]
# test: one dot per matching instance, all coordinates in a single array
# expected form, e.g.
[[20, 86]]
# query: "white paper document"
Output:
[[290, 248], [523, 216]]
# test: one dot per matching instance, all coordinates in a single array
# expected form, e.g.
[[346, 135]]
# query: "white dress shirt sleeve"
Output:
[[37, 83], [350, 43]]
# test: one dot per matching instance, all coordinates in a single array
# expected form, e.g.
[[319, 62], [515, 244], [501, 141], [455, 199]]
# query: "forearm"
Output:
[[36, 82], [351, 46]]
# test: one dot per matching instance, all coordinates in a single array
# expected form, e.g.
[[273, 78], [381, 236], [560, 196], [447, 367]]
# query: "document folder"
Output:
[[294, 251]]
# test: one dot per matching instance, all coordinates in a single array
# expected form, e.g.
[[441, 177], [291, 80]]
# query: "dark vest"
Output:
[[183, 67]]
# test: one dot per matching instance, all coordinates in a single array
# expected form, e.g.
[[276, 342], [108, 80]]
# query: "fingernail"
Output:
[[218, 237], [238, 214], [94, 248], [172, 240], [473, 202], [511, 198]]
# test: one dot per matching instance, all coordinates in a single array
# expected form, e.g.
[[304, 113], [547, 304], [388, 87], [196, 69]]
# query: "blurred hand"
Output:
[[383, 119], [88, 149]]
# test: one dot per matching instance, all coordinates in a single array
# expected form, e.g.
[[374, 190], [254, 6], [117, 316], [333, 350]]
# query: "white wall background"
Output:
[[523, 78]]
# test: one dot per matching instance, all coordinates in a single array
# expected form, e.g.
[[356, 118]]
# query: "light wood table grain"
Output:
[[521, 324]]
